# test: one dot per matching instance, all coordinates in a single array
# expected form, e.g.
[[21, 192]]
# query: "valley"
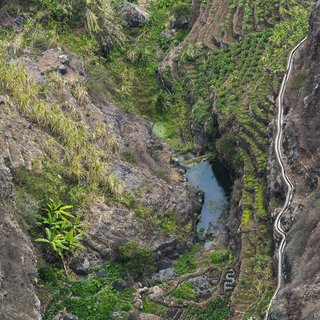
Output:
[[159, 160]]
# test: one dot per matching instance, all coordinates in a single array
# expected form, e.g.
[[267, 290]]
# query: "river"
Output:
[[214, 182]]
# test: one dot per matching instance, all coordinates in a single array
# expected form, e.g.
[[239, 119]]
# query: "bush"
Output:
[[97, 16], [187, 262], [218, 309], [226, 146], [184, 292], [138, 258], [154, 308], [49, 274], [221, 257]]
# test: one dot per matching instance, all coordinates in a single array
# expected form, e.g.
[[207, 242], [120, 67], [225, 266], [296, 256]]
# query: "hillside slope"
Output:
[[299, 298], [80, 84], [231, 91]]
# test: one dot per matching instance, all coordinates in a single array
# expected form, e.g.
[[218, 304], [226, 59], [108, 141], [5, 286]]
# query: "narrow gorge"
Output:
[[139, 168]]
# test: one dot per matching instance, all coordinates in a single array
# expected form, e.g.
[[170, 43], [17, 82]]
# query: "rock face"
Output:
[[134, 16], [17, 261], [299, 299]]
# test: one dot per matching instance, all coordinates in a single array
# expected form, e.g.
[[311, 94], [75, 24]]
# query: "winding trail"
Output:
[[278, 143]]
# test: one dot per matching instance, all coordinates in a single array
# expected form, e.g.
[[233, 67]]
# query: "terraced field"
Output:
[[240, 82]]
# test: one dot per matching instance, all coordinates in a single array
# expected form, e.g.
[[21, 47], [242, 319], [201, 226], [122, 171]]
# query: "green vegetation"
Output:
[[154, 308], [221, 258], [136, 257], [85, 298], [242, 79], [184, 292], [187, 262], [82, 163], [63, 231], [218, 309]]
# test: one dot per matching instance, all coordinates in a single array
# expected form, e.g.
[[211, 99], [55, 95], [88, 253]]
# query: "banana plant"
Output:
[[51, 222], [63, 231], [59, 210], [57, 242], [73, 240], [77, 225]]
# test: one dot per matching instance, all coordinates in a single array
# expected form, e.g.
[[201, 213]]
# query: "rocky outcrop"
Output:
[[17, 260], [299, 299], [133, 15]]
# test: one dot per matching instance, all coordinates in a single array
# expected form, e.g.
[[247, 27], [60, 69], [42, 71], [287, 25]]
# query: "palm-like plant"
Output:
[[63, 231], [58, 210], [56, 241]]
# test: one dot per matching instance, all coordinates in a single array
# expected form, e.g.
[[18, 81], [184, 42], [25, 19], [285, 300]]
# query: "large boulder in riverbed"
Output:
[[134, 16]]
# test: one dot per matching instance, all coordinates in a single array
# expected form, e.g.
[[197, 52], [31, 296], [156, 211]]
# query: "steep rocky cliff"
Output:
[[299, 299], [17, 260]]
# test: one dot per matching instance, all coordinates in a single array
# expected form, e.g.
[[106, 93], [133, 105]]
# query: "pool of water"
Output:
[[215, 183]]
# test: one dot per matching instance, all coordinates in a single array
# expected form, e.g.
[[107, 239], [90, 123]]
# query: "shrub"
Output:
[[218, 309], [200, 112], [49, 274], [221, 257], [187, 262], [184, 292], [169, 225], [154, 308], [97, 16], [226, 146], [138, 258]]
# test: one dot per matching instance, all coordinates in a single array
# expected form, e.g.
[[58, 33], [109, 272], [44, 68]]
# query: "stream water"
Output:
[[215, 183]]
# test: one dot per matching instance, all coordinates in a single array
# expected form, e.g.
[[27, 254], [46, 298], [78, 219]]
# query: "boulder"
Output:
[[80, 266], [69, 316], [134, 315], [165, 35], [209, 245], [163, 264], [201, 284], [165, 275], [102, 273], [119, 285], [134, 16], [156, 293], [63, 69], [64, 59]]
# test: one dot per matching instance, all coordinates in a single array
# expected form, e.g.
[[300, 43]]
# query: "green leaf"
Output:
[[42, 240]]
